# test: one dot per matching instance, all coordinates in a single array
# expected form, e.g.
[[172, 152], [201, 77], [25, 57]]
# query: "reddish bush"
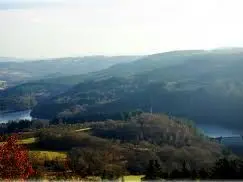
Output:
[[14, 160]]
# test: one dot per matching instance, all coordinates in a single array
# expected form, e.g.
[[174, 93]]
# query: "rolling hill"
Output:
[[205, 86], [17, 71]]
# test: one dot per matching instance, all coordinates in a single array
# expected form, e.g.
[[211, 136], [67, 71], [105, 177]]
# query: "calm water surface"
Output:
[[4, 118], [217, 131], [209, 130]]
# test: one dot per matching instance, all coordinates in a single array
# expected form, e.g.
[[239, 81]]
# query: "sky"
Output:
[[60, 28]]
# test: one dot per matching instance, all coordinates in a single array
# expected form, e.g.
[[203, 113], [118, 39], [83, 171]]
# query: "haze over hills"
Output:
[[145, 63], [205, 86], [11, 59], [159, 61], [17, 71]]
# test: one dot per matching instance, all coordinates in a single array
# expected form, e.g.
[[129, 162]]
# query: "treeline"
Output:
[[224, 168], [157, 146], [114, 148], [23, 127], [111, 158], [191, 97], [90, 117]]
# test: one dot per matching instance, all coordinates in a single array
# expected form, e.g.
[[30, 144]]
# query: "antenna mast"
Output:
[[151, 105]]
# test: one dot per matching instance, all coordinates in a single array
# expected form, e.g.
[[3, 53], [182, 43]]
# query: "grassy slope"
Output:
[[40, 155], [44, 154], [47, 155], [132, 178]]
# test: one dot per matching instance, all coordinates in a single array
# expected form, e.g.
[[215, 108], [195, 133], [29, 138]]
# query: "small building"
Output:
[[3, 84]]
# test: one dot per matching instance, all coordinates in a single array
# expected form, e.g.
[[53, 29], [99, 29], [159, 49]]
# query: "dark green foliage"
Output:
[[138, 160], [18, 126], [157, 129], [106, 162], [224, 168], [66, 141], [227, 169], [26, 96], [55, 165], [154, 171], [23, 126]]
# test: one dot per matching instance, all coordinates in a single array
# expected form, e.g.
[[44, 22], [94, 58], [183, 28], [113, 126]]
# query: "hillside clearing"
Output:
[[48, 155], [83, 129], [27, 140], [132, 178]]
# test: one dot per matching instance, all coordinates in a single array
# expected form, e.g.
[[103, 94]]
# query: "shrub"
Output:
[[14, 160]]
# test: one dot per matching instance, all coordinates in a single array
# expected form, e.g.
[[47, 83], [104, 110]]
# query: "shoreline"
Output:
[[15, 116], [14, 111]]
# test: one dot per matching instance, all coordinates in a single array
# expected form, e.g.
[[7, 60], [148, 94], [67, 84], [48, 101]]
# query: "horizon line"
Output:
[[113, 55]]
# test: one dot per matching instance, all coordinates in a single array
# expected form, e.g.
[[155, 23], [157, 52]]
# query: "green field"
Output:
[[132, 178], [44, 154], [27, 140], [47, 155]]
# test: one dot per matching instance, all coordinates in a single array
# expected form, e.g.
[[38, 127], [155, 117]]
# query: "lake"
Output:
[[209, 130], [4, 118], [217, 131]]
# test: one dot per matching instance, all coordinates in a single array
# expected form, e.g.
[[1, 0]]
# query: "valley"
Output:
[[123, 91], [184, 103], [203, 86]]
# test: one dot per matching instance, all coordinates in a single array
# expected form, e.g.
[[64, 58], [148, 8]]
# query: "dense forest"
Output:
[[26, 96], [155, 146], [189, 84], [204, 86]]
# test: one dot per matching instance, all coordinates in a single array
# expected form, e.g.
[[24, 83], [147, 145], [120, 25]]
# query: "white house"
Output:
[[3, 85]]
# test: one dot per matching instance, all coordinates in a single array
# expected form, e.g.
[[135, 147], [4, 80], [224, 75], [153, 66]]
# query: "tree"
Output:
[[14, 160], [106, 162], [226, 168], [153, 171]]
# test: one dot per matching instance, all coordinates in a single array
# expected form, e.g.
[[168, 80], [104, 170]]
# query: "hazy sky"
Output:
[[57, 28]]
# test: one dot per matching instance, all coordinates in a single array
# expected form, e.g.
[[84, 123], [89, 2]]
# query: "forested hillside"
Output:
[[114, 148], [27, 95], [205, 86]]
